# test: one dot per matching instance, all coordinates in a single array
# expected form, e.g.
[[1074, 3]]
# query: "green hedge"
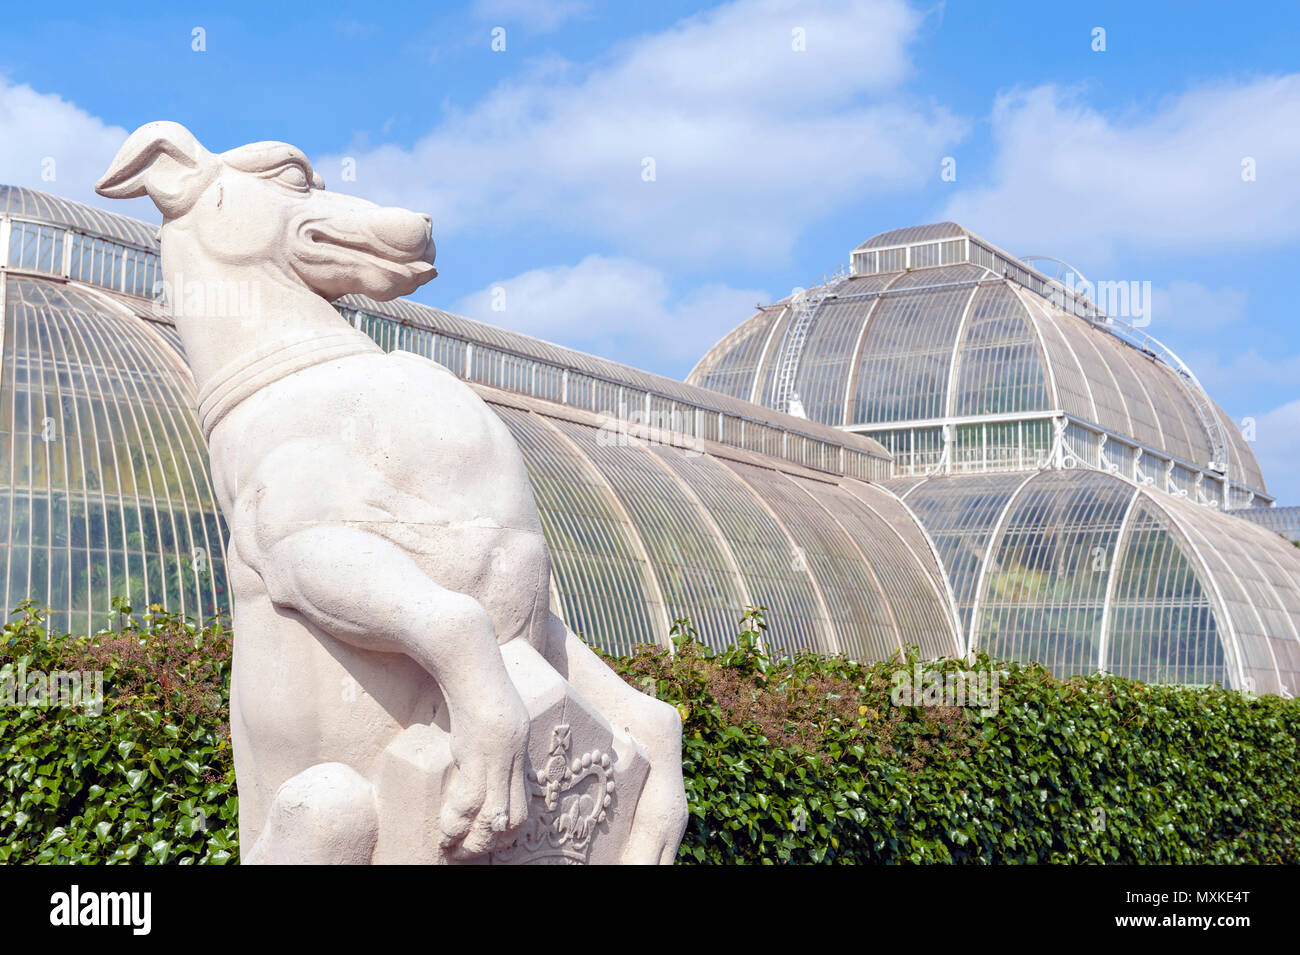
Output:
[[150, 778], [809, 760], [786, 760]]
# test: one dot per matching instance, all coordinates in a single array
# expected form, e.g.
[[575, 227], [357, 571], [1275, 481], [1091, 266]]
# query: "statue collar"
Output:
[[252, 371]]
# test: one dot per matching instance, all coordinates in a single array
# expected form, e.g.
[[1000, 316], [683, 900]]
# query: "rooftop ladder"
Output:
[[804, 308]]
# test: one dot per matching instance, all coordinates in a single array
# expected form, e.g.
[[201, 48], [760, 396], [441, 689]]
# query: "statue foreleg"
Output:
[[362, 589]]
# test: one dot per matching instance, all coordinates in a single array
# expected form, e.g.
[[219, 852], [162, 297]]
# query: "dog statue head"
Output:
[[263, 206]]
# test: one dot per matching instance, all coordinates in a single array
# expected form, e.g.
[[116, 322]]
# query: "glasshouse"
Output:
[[941, 446], [659, 499], [1070, 468], [1081, 570]]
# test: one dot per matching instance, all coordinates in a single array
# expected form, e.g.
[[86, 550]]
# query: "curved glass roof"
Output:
[[37, 206], [104, 485], [1083, 571], [1280, 520], [658, 499], [927, 333], [642, 533], [913, 233]]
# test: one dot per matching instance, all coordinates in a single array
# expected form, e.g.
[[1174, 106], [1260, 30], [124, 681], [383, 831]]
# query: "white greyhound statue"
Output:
[[400, 690]]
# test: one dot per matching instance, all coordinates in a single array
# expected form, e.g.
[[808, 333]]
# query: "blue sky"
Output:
[[770, 163]]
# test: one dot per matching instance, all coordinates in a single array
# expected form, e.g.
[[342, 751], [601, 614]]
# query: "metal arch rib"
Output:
[[1061, 268], [1190, 532], [939, 581], [805, 307], [995, 538], [1133, 335], [1201, 401]]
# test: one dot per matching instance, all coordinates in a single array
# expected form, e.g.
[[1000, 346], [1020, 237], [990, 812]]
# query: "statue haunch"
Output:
[[400, 690]]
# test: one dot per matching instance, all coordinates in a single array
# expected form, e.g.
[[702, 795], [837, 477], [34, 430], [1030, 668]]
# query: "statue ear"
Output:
[[163, 160]]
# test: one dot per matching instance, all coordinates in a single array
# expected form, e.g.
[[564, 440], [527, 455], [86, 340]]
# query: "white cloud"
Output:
[[1277, 447], [42, 134], [540, 16], [1242, 381], [1064, 173], [1190, 306], [1242, 372], [615, 308], [750, 140]]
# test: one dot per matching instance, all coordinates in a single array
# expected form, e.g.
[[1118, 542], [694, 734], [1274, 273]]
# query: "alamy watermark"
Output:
[[214, 298], [640, 426], [1129, 300], [60, 688], [133, 910], [920, 686]]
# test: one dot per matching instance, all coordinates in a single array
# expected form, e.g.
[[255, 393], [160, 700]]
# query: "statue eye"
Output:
[[292, 175]]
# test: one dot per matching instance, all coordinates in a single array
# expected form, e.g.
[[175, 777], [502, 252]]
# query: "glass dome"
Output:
[[957, 356]]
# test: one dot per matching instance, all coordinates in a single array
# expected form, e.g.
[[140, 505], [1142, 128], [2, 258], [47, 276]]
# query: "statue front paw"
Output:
[[487, 800]]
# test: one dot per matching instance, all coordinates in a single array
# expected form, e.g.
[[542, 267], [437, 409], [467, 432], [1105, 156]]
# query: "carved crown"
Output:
[[571, 798]]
